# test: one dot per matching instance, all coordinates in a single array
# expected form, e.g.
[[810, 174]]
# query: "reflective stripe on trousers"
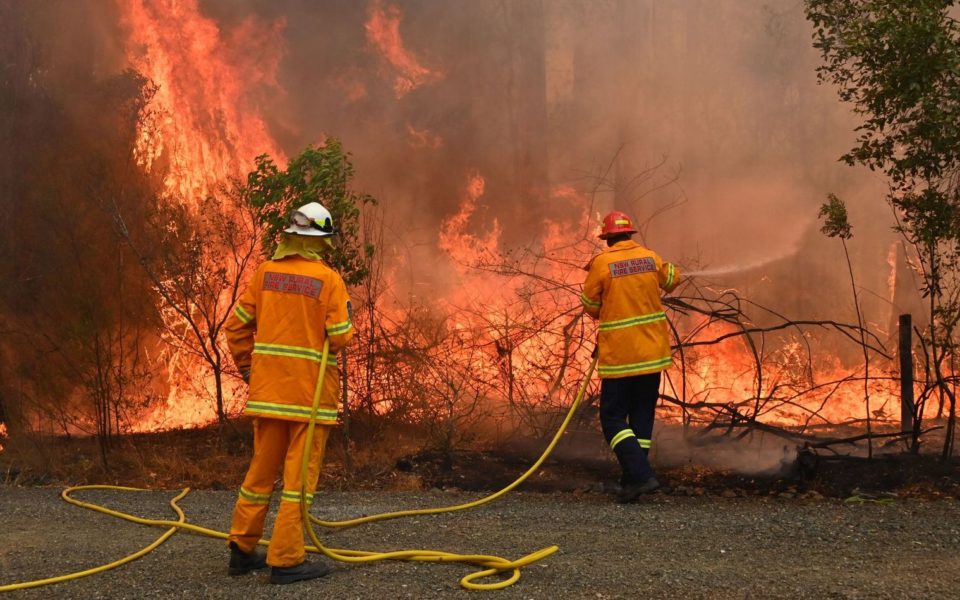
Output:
[[627, 408], [277, 445], [289, 411], [628, 433]]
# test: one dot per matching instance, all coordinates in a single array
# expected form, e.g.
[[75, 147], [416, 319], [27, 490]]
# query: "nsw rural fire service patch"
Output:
[[633, 266], [288, 283]]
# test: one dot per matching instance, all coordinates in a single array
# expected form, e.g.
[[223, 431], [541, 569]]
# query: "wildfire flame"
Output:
[[466, 248], [383, 33], [352, 88], [423, 138], [3, 434], [204, 121], [795, 389], [204, 125]]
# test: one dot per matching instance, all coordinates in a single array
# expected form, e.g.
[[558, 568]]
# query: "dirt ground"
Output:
[[666, 546]]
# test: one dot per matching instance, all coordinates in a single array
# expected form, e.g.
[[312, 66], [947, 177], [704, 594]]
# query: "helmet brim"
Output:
[[307, 231], [609, 234]]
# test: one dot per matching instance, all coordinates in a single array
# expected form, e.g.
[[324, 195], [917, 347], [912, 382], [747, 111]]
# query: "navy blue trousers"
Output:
[[627, 409]]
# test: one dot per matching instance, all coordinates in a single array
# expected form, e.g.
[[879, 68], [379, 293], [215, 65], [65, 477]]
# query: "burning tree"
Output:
[[898, 64], [204, 253]]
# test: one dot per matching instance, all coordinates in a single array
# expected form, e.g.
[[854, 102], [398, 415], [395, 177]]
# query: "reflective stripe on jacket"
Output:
[[276, 333], [622, 290]]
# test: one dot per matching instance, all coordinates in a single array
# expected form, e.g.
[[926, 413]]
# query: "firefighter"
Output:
[[622, 290], [276, 333]]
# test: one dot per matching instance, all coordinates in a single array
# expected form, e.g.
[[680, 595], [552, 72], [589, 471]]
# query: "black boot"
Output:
[[632, 491], [242, 563], [301, 572]]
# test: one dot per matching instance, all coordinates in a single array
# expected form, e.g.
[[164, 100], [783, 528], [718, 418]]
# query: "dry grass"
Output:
[[217, 458], [208, 458]]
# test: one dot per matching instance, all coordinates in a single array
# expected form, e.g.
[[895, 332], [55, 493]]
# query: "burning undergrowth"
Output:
[[484, 141]]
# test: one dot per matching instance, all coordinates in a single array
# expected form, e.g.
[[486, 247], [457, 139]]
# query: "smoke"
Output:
[[673, 448], [754, 455], [702, 119], [531, 96]]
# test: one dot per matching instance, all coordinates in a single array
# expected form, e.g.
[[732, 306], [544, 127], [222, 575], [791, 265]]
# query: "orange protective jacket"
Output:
[[622, 290], [276, 334]]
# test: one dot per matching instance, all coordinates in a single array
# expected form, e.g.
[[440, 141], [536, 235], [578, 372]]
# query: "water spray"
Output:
[[727, 270], [733, 268]]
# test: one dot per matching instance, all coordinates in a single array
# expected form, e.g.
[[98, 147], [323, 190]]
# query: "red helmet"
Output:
[[616, 222]]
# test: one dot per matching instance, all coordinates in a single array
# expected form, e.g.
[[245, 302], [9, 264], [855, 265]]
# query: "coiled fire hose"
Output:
[[489, 564]]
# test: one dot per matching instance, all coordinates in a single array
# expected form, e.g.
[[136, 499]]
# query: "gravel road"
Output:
[[662, 547]]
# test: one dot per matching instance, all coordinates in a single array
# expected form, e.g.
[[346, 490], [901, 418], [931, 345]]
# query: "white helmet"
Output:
[[311, 219]]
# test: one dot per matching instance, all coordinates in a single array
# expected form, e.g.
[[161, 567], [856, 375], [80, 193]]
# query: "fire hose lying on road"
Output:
[[489, 565]]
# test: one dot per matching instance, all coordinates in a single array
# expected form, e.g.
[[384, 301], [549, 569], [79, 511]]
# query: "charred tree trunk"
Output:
[[907, 407], [218, 383]]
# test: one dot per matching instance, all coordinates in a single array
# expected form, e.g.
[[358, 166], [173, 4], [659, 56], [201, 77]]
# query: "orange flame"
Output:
[[205, 125], [508, 330], [466, 248], [351, 85], [202, 126], [383, 32], [204, 121], [3, 434], [795, 391]]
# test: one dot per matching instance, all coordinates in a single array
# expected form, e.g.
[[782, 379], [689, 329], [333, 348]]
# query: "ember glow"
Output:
[[3, 434]]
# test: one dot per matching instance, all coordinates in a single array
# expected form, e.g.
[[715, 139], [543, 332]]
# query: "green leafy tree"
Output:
[[897, 63], [318, 174]]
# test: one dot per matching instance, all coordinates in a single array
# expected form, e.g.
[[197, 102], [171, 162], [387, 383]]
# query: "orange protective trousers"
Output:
[[277, 443]]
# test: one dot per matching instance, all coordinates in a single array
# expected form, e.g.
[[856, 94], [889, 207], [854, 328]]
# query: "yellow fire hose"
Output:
[[491, 565]]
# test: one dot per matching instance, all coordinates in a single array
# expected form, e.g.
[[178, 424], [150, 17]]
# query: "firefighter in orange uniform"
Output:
[[622, 290], [276, 334]]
